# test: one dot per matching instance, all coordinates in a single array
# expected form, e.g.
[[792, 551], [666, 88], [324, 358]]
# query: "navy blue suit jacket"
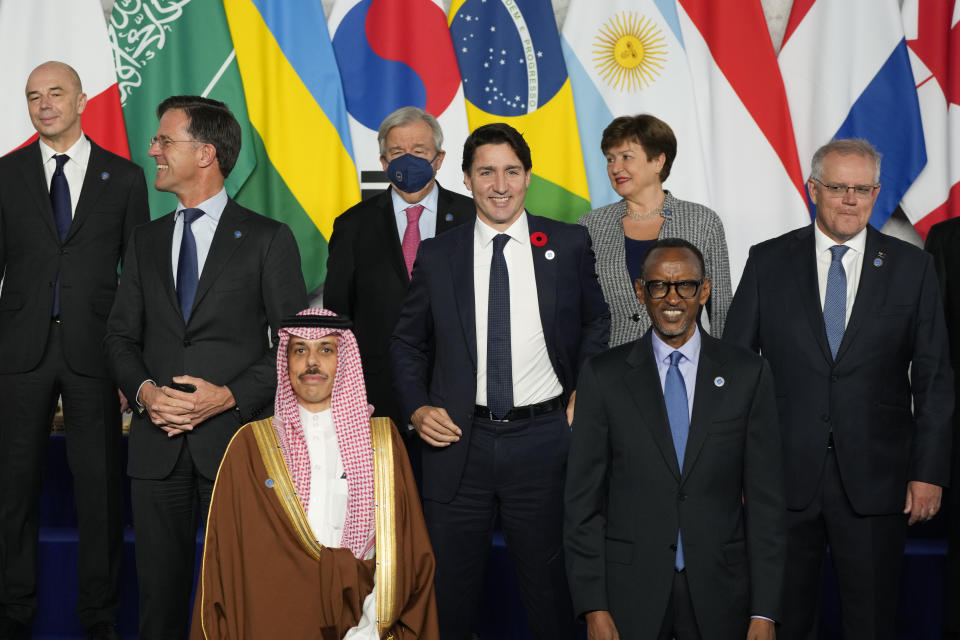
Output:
[[438, 318]]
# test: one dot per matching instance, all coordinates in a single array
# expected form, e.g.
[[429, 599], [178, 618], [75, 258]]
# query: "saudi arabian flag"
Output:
[[172, 47]]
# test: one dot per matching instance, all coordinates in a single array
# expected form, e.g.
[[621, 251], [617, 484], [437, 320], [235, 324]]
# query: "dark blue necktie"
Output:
[[499, 359], [835, 300], [678, 412], [188, 273], [60, 200]]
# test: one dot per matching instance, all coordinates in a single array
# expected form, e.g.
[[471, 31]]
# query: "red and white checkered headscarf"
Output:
[[351, 419]]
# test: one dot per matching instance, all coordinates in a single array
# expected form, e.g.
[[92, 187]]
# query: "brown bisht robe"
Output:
[[265, 576]]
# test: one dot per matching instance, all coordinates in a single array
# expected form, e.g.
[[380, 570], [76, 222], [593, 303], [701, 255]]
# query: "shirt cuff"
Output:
[[136, 398], [764, 618]]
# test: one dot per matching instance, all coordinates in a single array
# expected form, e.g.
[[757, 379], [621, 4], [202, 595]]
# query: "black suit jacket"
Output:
[[626, 495], [433, 350], [367, 280], [251, 279], [865, 397], [113, 200]]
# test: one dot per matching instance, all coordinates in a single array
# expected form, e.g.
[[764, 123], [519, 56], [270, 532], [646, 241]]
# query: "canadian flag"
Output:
[[933, 38], [74, 32]]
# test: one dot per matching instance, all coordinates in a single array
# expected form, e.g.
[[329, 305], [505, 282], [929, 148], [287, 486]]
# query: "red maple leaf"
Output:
[[938, 45]]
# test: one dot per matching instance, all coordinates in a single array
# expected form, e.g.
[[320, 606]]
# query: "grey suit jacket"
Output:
[[688, 220]]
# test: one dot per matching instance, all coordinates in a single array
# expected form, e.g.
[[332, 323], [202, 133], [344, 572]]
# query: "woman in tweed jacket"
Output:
[[640, 151]]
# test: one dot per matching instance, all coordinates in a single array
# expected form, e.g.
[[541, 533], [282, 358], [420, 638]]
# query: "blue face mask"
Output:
[[410, 173]]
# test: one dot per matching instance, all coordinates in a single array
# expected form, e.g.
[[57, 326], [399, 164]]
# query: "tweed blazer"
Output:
[[681, 219]]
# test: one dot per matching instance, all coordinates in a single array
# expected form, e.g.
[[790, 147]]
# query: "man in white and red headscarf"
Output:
[[315, 528]]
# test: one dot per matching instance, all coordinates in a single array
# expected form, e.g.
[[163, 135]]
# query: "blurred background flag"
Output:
[[626, 57], [756, 185], [78, 36], [391, 55], [513, 71], [305, 172], [847, 74], [932, 30]]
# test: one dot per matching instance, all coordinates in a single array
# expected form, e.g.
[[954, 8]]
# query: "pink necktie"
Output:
[[411, 236]]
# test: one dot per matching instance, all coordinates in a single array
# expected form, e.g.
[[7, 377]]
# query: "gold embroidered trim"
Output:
[[283, 485], [384, 491]]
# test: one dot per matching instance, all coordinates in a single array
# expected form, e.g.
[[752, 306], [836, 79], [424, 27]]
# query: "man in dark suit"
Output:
[[943, 242], [188, 341], [67, 207], [499, 318], [374, 243], [674, 521], [851, 323]]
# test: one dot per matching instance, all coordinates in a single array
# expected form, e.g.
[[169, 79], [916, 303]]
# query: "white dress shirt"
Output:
[[534, 379], [852, 264], [327, 511], [74, 170], [428, 218], [203, 229]]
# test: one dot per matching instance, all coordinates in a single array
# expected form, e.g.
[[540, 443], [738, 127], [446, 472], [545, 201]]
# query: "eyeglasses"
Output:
[[861, 191], [659, 289], [165, 142]]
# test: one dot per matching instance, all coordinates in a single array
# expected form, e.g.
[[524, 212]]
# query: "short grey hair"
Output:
[[846, 146], [404, 116]]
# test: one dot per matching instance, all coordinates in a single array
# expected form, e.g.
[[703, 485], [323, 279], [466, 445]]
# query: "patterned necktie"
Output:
[[678, 412], [835, 300], [411, 236], [60, 201], [499, 359], [188, 272]]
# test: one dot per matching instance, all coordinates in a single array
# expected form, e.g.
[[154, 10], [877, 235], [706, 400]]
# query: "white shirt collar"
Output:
[[690, 349], [857, 243], [212, 207], [519, 231], [428, 201], [79, 152]]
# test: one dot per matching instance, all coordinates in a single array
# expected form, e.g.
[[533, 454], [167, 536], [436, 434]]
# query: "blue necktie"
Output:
[[60, 201], [188, 273], [499, 360], [835, 300], [678, 412]]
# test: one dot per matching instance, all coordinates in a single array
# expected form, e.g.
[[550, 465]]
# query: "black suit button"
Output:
[[673, 547], [834, 378], [635, 317], [825, 418], [61, 251], [682, 497], [187, 343]]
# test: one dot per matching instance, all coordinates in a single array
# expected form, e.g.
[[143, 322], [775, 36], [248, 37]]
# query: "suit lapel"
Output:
[[873, 283], [707, 397], [643, 382], [386, 227], [163, 252], [804, 270], [94, 181], [545, 272], [230, 234], [446, 219], [461, 272], [36, 182]]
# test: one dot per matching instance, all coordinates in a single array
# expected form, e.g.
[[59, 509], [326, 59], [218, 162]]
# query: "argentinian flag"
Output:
[[626, 57]]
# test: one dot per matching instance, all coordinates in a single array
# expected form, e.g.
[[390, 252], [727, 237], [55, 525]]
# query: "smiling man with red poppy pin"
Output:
[[499, 318]]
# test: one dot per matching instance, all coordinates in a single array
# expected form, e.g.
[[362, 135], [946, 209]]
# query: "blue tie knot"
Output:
[[190, 215], [675, 358], [837, 251], [61, 159], [499, 242]]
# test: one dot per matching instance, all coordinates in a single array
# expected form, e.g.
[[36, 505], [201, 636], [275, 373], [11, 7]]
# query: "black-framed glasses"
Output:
[[659, 289], [862, 191]]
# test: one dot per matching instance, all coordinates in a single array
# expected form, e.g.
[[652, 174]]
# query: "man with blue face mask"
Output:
[[374, 243]]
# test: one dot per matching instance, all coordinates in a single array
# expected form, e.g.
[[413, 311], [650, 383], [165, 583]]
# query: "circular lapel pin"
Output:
[[448, 217], [237, 234], [549, 254], [719, 381], [878, 262], [105, 176], [269, 483], [538, 238]]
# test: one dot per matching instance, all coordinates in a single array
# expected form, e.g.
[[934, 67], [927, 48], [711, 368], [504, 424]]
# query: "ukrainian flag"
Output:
[[306, 173], [513, 71]]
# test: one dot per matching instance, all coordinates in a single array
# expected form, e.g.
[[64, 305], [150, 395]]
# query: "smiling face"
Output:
[[55, 102], [177, 156], [499, 184], [674, 318], [630, 171], [313, 368], [841, 217]]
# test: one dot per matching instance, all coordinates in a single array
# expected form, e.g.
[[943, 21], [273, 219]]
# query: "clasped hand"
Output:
[[178, 411]]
